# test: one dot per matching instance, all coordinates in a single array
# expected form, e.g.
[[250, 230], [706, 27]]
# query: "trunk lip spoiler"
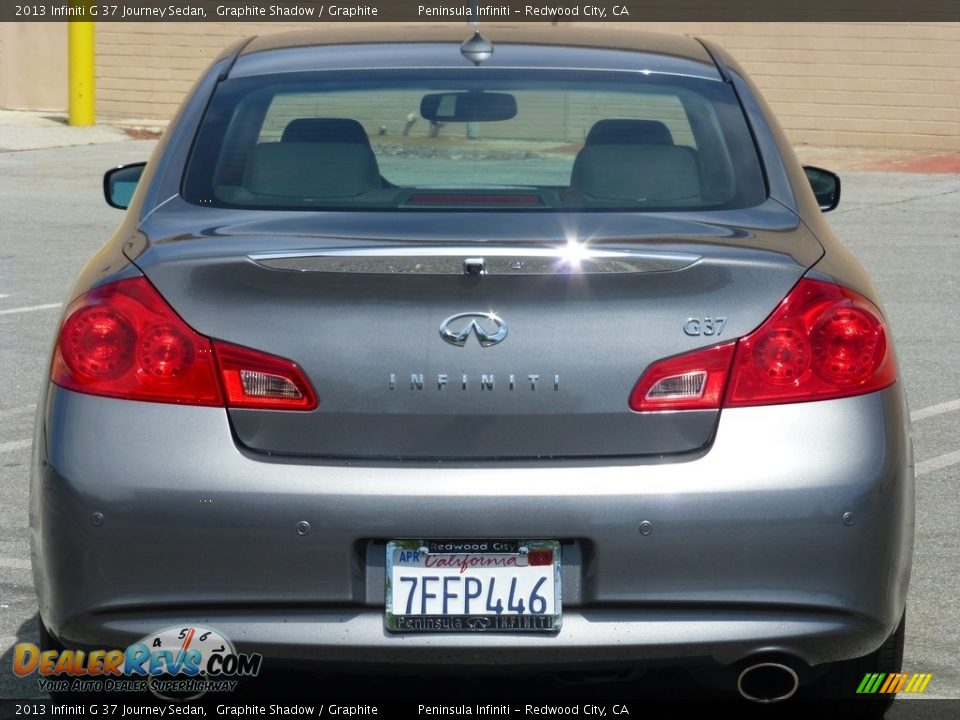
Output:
[[572, 258]]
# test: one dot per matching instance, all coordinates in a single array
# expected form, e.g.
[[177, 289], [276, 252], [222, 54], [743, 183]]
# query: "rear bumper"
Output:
[[749, 551]]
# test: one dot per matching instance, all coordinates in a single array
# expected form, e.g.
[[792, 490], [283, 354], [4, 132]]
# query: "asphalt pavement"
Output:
[[904, 227]]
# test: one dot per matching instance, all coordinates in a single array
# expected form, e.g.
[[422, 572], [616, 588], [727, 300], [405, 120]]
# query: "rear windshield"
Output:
[[547, 140]]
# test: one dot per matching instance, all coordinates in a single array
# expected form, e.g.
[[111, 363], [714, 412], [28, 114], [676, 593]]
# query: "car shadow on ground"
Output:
[[12, 686]]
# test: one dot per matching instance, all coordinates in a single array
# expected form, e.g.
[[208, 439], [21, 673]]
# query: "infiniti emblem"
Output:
[[488, 328]]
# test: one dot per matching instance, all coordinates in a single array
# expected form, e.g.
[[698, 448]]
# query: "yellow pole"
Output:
[[81, 44]]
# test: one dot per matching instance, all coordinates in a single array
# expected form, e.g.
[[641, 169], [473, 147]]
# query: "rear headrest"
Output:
[[629, 132], [655, 174], [325, 130], [311, 170]]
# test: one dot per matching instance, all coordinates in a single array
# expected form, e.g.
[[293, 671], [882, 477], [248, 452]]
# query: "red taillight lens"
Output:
[[255, 380], [694, 381], [100, 342], [122, 340], [823, 341]]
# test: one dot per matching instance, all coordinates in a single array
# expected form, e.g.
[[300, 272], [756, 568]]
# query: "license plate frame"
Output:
[[456, 558]]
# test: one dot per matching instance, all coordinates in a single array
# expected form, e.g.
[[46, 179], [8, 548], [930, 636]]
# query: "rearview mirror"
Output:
[[119, 184], [826, 187], [474, 106]]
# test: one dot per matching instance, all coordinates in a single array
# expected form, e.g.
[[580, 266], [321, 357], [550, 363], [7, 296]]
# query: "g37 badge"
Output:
[[704, 326]]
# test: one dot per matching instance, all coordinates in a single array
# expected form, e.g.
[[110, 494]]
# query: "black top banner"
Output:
[[494, 11], [127, 707]]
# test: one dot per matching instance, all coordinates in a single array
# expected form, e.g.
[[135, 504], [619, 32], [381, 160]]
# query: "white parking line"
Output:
[[16, 563], [941, 461], [30, 308], [3, 295], [935, 410], [15, 445], [10, 412]]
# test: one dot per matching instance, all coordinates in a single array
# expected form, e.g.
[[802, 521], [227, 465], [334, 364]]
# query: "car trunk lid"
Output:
[[414, 355]]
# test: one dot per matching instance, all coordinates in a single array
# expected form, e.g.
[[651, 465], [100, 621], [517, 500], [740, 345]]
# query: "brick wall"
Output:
[[872, 84], [875, 84], [145, 69], [33, 62], [3, 73]]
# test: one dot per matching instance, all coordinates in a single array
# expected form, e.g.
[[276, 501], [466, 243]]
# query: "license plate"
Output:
[[473, 586]]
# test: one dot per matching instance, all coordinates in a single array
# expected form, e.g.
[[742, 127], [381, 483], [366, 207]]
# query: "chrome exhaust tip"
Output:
[[767, 682]]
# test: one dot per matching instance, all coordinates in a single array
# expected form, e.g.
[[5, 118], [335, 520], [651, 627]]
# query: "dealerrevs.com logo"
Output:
[[175, 663]]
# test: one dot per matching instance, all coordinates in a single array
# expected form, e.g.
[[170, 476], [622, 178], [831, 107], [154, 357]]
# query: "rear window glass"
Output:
[[530, 140]]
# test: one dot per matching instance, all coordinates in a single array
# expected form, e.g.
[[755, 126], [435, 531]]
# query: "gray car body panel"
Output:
[[748, 553], [433, 55], [754, 527]]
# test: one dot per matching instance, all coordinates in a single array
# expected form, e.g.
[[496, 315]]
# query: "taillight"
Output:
[[693, 381], [122, 340], [823, 341], [255, 380]]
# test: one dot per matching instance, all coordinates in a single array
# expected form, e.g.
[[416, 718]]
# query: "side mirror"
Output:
[[826, 186], [119, 184]]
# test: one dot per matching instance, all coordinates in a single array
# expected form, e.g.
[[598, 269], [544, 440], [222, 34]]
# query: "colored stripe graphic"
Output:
[[898, 685], [893, 683], [871, 683], [918, 683]]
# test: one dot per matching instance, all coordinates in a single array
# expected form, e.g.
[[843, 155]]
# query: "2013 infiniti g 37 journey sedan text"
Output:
[[541, 358]]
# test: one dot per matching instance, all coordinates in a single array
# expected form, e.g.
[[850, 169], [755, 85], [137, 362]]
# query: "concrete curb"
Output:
[[28, 130]]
